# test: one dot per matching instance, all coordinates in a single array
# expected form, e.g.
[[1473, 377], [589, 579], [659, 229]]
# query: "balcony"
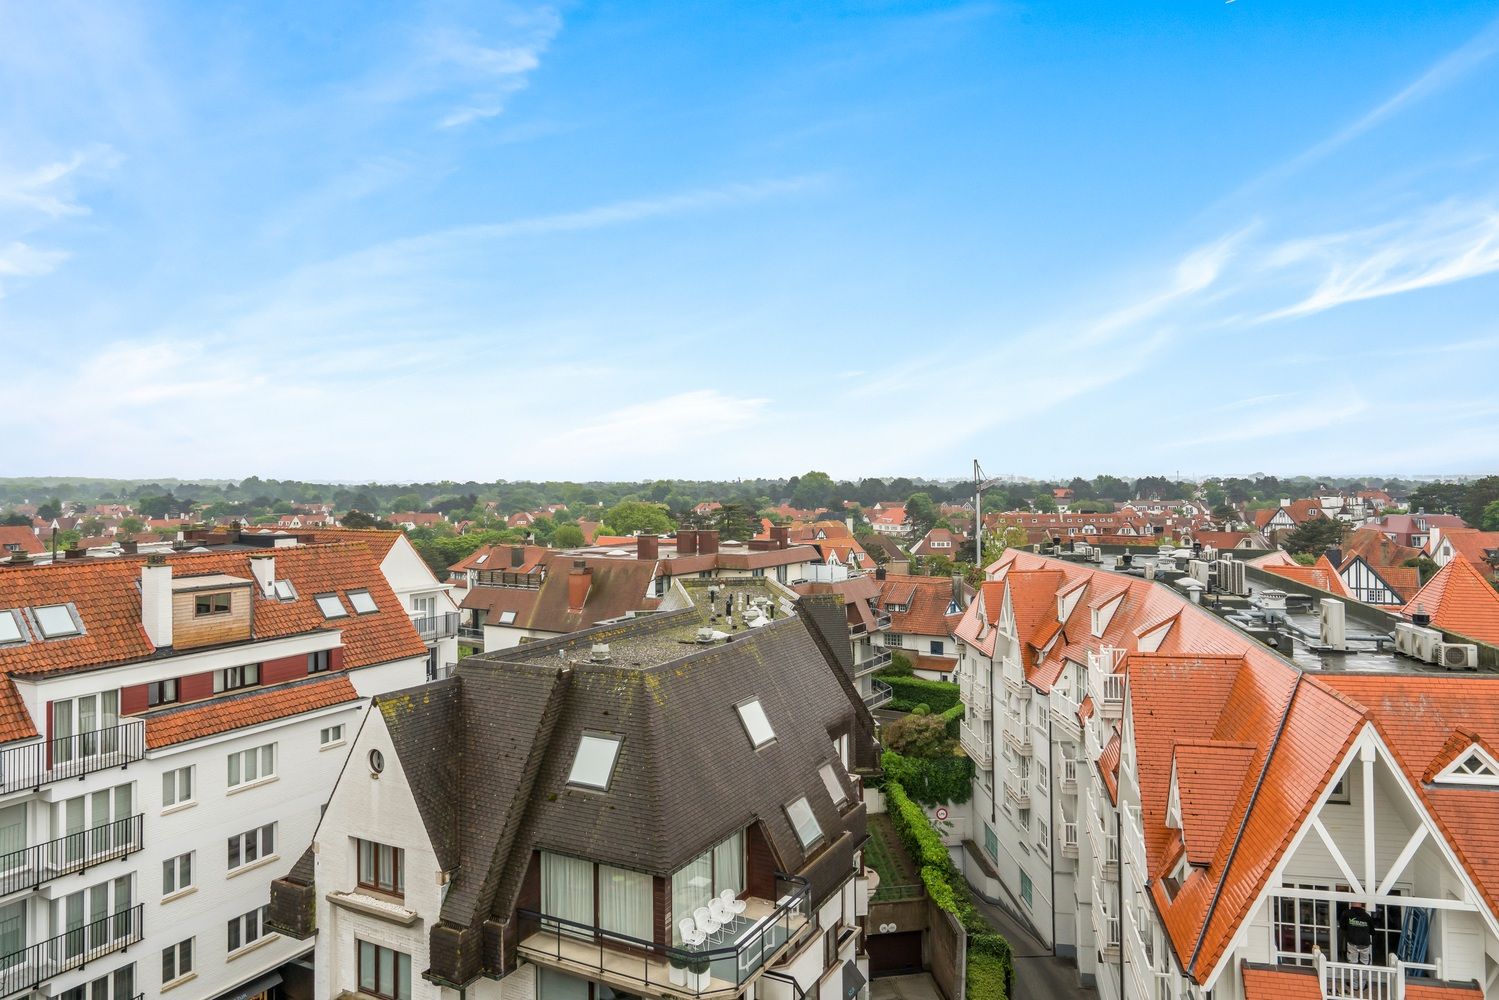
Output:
[[1108, 694], [1105, 853], [471, 633], [761, 936], [29, 968], [977, 743], [1019, 740], [443, 626], [1069, 840], [1018, 787], [976, 695], [880, 695], [1017, 686], [37, 764], [1342, 981], [1105, 930], [1064, 719], [870, 664], [1069, 776], [32, 866]]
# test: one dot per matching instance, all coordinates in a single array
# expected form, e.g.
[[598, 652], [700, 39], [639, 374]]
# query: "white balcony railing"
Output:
[[1017, 685], [1344, 981], [1018, 786], [1064, 718], [977, 743], [977, 696], [1019, 740], [1105, 852], [1069, 840], [1069, 775], [1107, 690]]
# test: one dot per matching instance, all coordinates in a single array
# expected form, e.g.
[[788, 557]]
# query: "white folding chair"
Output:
[[691, 936], [705, 922], [734, 903]]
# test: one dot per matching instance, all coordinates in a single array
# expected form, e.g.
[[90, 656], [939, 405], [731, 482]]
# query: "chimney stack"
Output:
[[1335, 556], [686, 542], [263, 568], [879, 573], [781, 535], [647, 547], [959, 598], [156, 600], [707, 542], [517, 555], [579, 582]]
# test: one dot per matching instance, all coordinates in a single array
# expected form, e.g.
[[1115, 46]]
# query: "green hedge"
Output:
[[952, 717], [991, 967], [931, 781], [912, 691]]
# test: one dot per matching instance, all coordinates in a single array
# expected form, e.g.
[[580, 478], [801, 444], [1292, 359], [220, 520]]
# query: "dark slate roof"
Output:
[[422, 722]]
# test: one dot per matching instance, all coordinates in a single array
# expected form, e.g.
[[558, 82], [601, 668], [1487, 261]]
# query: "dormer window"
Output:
[[208, 605], [593, 765], [57, 621], [364, 604], [1475, 767], [756, 724], [331, 606]]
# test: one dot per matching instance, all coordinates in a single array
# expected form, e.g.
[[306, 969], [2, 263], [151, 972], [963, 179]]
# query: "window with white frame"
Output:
[[834, 784], [177, 961], [95, 823], [57, 621], [177, 786], [234, 678], [808, 830], [254, 764], [85, 726], [363, 602], [177, 873], [593, 764], [247, 928], [118, 985], [10, 628], [331, 606], [330, 736], [251, 846], [756, 724]]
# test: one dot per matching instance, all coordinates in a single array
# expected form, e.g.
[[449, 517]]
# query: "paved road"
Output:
[[1039, 975]]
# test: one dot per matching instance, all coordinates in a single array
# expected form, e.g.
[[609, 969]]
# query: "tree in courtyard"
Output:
[[921, 513], [1315, 536], [630, 517], [567, 536]]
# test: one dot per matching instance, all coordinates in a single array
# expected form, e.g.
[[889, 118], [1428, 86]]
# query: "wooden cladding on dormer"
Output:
[[212, 613]]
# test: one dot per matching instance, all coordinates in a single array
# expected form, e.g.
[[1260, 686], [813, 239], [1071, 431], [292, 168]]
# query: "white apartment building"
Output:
[[170, 725], [1190, 815]]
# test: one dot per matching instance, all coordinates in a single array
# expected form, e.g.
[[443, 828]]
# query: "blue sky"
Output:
[[663, 239]]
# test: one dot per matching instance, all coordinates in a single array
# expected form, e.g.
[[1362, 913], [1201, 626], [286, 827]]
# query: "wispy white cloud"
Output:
[[489, 75], [1450, 243]]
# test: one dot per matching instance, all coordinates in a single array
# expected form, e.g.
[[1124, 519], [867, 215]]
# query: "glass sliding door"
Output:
[[567, 890], [625, 903]]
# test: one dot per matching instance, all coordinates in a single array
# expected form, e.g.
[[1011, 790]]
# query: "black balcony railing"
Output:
[[500, 578], [30, 967], [436, 626], [37, 764], [693, 971], [31, 866]]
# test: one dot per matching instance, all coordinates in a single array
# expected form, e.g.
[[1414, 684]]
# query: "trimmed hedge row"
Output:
[[909, 692], [991, 967], [931, 781]]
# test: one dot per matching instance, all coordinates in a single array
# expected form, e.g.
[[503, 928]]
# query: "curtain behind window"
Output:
[[567, 888], [728, 865], [690, 888], [625, 902]]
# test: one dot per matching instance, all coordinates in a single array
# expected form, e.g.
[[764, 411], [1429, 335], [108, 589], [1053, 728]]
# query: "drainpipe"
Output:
[[1051, 760], [1119, 846]]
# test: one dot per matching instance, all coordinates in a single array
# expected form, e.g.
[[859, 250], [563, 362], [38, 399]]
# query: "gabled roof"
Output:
[[171, 726], [21, 536], [1459, 600], [1322, 575], [926, 599], [1209, 777], [1474, 546]]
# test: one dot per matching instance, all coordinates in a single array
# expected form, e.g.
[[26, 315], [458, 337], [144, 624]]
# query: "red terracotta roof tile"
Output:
[[1460, 600], [221, 715]]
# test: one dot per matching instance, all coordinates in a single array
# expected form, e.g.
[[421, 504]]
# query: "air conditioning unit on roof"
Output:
[[1457, 655], [1417, 641]]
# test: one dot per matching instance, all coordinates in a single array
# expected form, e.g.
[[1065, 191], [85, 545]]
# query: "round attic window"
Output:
[[377, 762]]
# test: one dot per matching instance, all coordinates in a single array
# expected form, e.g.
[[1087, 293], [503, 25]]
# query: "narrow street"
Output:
[[1039, 975]]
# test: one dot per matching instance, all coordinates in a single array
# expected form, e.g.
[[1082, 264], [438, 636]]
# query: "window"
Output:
[[248, 928], [10, 628], [799, 811], [707, 876], [85, 726], [330, 736], [254, 764], [363, 603], [1042, 779], [507, 618], [384, 972], [382, 867], [118, 985], [482, 559], [1340, 794], [177, 786], [834, 786], [331, 606], [56, 621], [233, 678], [161, 693], [1042, 834], [936, 644], [756, 725], [206, 605], [1025, 889], [319, 661], [177, 961], [593, 766], [252, 845], [94, 917], [284, 591], [177, 873], [991, 842]]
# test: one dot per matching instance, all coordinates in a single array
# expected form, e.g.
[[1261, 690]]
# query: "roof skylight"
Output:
[[482, 559], [807, 829], [284, 590], [363, 603], [835, 787], [756, 725], [593, 766], [331, 606], [507, 617], [56, 621], [10, 629]]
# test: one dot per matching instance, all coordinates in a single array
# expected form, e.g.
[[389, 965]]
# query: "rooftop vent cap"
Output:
[[599, 653]]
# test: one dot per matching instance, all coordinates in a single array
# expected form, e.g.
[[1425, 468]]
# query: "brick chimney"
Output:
[[156, 600], [647, 547], [707, 542], [263, 568], [686, 542], [579, 582], [957, 591], [781, 535], [517, 555]]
